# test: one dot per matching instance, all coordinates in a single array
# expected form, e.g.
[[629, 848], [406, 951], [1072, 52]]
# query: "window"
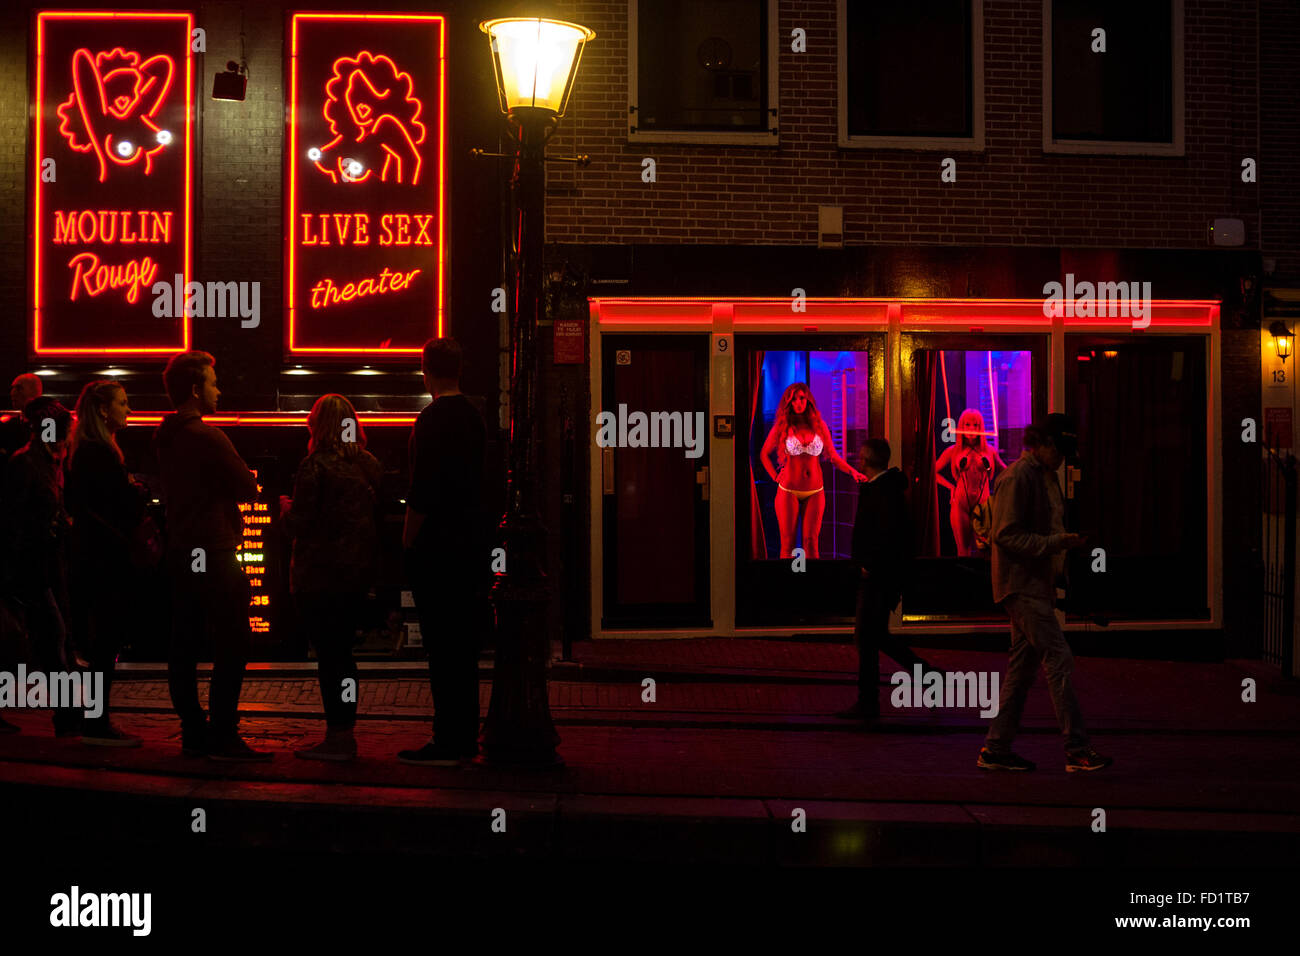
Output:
[[1125, 99], [912, 75], [702, 71]]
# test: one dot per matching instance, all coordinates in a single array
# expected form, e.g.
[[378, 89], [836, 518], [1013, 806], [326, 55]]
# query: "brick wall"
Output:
[[1011, 194]]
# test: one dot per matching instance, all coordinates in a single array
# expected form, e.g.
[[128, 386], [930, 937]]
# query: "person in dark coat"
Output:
[[33, 544], [203, 482], [106, 509], [331, 519], [883, 549]]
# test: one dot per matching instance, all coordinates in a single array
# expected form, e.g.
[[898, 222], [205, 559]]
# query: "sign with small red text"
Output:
[[366, 147], [1277, 427], [570, 341], [110, 182]]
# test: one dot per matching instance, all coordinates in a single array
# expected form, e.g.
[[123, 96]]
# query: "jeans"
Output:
[[217, 598], [329, 620], [1036, 638], [871, 633], [451, 605]]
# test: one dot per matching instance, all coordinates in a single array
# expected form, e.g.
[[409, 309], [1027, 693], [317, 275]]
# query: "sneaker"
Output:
[[8, 728], [431, 755], [337, 747], [110, 736], [988, 760], [1085, 761], [233, 749]]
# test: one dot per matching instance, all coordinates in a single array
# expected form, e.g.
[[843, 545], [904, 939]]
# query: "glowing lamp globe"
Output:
[[535, 60]]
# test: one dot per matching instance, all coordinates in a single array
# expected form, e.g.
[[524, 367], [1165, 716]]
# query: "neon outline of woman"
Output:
[[972, 462], [799, 437]]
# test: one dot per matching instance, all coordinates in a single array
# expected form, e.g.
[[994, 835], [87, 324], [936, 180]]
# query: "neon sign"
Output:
[[112, 171], [252, 555], [364, 222]]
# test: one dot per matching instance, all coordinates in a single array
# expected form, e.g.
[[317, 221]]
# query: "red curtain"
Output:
[[757, 540], [925, 490]]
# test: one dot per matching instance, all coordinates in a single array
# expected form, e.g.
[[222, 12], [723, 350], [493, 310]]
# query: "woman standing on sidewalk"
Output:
[[108, 512], [331, 519]]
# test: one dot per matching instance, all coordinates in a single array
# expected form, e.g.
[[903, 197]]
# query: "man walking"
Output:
[[445, 542], [882, 554], [203, 480], [1029, 540]]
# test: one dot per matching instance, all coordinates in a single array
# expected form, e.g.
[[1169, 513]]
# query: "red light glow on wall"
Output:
[[111, 187], [366, 143]]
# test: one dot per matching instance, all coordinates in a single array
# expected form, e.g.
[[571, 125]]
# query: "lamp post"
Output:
[[535, 61]]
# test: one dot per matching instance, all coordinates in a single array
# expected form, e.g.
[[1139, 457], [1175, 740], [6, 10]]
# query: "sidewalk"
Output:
[[739, 736]]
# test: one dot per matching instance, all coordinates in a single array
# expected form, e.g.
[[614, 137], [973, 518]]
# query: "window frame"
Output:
[[973, 143], [1118, 147], [769, 137]]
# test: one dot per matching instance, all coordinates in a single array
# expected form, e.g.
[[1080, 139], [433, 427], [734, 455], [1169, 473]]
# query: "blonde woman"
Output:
[[971, 462], [800, 437], [331, 519], [107, 509]]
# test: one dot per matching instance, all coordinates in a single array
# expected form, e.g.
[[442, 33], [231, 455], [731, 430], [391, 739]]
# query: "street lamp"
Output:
[[535, 61]]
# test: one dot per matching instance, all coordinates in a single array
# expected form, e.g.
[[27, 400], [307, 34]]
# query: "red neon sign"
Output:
[[112, 172], [113, 104], [364, 226], [370, 106]]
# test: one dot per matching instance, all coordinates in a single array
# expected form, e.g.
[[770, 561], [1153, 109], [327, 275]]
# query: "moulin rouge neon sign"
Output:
[[366, 142], [111, 190]]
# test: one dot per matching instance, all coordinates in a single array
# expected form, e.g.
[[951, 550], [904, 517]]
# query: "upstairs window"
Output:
[[702, 71], [911, 74], [1113, 76]]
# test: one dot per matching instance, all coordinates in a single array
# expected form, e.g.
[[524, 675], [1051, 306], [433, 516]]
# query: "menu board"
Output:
[[365, 149], [252, 555], [110, 183]]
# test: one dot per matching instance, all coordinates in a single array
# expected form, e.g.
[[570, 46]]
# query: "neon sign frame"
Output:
[[296, 162], [63, 111]]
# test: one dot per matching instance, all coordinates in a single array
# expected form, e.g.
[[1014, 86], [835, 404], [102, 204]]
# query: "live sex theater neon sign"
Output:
[[111, 188], [366, 147]]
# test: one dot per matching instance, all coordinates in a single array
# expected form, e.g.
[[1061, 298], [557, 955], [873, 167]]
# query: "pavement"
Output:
[[737, 760]]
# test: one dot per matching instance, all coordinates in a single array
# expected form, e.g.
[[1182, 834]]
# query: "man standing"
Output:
[[1029, 540], [882, 554], [14, 432], [444, 541], [203, 480]]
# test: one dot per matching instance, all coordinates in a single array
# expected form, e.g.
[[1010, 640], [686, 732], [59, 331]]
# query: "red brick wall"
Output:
[[1010, 194]]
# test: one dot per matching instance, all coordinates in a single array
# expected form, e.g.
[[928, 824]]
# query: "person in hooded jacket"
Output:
[[883, 549]]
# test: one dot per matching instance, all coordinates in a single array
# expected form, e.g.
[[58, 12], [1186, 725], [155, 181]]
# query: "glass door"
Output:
[[653, 451]]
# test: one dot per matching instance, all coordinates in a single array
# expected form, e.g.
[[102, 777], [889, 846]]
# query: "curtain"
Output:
[[757, 540], [925, 490]]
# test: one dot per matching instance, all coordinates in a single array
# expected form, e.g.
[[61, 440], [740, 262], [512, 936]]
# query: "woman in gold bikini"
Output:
[[800, 437]]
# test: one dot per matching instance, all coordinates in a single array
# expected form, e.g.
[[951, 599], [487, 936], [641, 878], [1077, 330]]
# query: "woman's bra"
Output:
[[795, 447]]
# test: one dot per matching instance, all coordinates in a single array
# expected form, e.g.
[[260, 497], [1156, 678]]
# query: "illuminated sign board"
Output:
[[110, 175], [366, 145], [252, 555]]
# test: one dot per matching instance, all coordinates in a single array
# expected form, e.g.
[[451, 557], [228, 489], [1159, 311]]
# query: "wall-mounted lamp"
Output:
[[232, 84], [1283, 339]]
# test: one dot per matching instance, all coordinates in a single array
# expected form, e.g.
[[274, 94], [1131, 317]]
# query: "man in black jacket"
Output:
[[882, 555]]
